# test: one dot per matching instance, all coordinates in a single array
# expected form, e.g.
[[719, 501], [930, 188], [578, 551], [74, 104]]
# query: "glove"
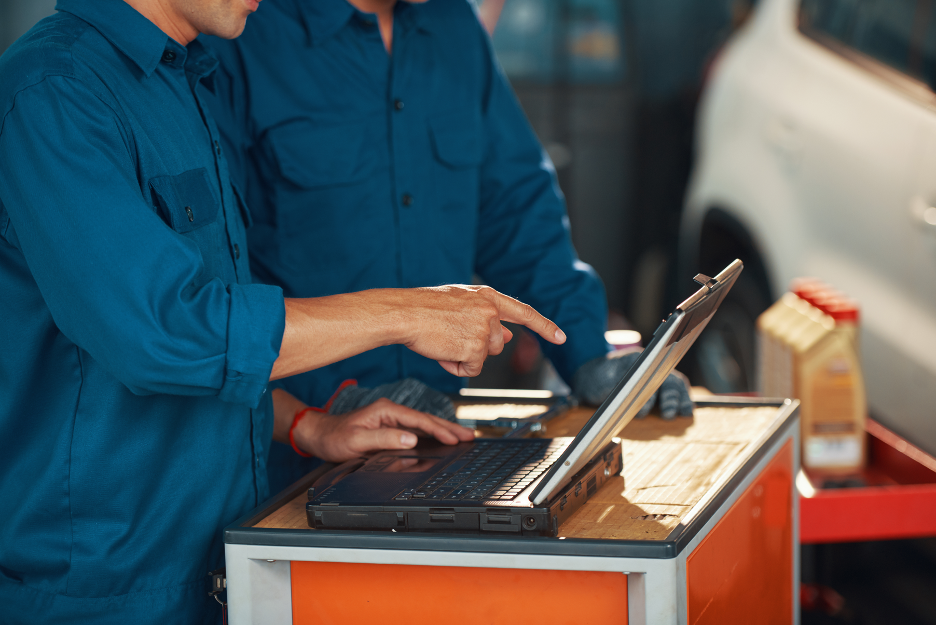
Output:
[[409, 392], [595, 380]]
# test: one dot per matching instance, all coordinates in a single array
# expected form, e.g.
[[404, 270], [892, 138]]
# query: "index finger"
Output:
[[512, 310]]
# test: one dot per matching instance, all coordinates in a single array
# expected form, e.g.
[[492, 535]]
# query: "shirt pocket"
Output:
[[189, 204], [456, 139], [187, 199], [310, 155]]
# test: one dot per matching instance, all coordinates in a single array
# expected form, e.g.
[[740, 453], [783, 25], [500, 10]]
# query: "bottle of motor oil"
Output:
[[808, 344], [774, 327], [831, 388], [803, 329]]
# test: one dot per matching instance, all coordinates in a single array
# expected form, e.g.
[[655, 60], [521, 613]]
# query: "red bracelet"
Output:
[[299, 415], [303, 412]]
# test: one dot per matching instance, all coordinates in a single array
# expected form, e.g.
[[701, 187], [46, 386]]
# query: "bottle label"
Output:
[[832, 451]]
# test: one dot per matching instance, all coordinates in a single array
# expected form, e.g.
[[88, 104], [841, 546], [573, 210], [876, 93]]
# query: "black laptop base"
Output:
[[518, 516]]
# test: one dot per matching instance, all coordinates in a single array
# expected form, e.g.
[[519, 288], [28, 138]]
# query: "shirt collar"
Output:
[[324, 18], [131, 33]]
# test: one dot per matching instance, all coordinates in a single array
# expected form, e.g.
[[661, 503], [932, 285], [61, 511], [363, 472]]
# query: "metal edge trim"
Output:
[[559, 546]]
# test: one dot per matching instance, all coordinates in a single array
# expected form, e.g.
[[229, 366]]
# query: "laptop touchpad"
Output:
[[401, 464]]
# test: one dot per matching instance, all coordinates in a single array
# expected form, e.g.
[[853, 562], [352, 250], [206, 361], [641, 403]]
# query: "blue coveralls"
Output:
[[134, 350], [364, 170]]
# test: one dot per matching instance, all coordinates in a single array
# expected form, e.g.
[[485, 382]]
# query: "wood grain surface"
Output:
[[668, 467]]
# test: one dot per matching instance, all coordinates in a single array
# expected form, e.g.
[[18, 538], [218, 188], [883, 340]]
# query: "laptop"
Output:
[[509, 485]]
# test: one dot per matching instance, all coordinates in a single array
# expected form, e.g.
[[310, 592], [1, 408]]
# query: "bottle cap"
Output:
[[809, 289], [841, 309]]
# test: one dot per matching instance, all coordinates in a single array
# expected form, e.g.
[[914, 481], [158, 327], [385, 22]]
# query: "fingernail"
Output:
[[408, 440], [560, 336]]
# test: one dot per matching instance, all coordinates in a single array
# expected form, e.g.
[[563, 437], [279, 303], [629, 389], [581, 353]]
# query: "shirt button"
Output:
[[236, 251], [367, 21], [168, 56], [217, 147], [398, 104], [190, 213], [407, 199]]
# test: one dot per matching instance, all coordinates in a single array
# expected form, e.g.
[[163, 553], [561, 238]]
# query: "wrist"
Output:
[[302, 431]]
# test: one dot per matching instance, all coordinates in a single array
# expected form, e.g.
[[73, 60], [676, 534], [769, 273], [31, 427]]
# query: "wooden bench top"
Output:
[[669, 465]]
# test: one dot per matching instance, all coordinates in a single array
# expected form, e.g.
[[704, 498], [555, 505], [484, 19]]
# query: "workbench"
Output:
[[701, 528]]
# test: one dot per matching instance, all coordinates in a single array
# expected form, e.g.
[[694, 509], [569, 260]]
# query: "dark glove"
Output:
[[597, 378], [409, 392]]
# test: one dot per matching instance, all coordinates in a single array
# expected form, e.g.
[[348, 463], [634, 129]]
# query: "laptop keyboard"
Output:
[[492, 470]]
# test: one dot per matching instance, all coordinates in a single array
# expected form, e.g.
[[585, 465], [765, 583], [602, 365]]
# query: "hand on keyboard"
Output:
[[381, 425]]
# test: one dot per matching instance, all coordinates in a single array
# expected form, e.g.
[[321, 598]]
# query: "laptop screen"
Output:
[[669, 344]]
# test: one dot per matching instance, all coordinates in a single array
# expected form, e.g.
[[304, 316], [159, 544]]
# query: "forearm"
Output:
[[456, 325], [321, 331]]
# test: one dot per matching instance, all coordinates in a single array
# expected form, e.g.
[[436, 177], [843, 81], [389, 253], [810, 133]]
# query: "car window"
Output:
[[891, 31]]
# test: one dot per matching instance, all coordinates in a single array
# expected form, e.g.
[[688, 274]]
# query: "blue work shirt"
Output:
[[365, 169], [134, 352]]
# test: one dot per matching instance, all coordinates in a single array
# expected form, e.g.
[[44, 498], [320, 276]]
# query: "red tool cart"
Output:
[[898, 500]]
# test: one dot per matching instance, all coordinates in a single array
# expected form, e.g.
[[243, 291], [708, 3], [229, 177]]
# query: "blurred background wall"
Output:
[[17, 16]]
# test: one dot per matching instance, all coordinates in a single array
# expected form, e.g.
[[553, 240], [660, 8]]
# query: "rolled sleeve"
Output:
[[255, 332], [118, 281]]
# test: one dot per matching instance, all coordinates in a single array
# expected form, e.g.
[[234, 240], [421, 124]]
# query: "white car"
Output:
[[816, 156]]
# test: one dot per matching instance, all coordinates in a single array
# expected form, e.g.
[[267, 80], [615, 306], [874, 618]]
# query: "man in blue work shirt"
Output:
[[135, 352], [381, 146]]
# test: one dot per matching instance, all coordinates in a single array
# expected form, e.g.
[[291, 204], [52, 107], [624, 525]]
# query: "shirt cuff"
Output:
[[256, 322]]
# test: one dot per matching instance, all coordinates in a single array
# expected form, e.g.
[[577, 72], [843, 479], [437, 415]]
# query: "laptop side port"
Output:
[[500, 522], [444, 520]]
